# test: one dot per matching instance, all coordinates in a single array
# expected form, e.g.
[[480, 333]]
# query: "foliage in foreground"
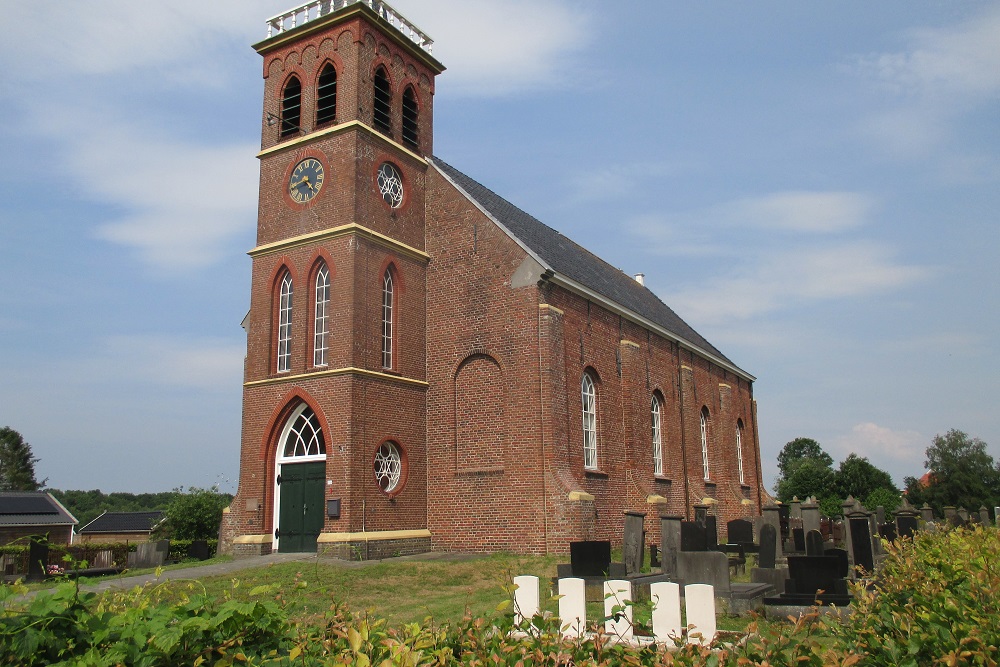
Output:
[[937, 601], [937, 598]]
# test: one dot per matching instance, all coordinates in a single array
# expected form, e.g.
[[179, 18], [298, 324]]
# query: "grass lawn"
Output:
[[401, 591]]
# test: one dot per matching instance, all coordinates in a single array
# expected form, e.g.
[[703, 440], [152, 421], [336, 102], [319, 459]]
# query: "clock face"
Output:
[[306, 180]]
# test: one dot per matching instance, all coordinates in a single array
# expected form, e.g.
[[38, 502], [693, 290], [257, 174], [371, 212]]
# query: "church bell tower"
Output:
[[334, 404]]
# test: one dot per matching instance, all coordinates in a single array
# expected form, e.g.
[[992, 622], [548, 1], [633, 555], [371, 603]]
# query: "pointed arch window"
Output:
[[739, 449], [284, 352], [588, 395], [321, 318], [655, 414], [410, 117], [304, 436], [388, 305], [382, 109], [326, 96], [704, 443], [291, 108]]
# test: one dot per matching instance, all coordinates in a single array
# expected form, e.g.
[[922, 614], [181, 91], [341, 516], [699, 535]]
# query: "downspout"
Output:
[[541, 428], [680, 394]]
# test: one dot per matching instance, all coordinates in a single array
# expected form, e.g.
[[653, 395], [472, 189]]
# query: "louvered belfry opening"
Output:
[[326, 96], [410, 135], [291, 108], [383, 102]]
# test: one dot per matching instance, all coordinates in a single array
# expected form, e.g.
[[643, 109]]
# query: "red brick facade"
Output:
[[488, 349]]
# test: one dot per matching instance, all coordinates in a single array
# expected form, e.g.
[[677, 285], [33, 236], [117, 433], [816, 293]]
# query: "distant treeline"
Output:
[[88, 505]]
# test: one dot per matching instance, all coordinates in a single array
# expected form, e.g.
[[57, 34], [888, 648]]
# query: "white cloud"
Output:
[[495, 48], [941, 75], [961, 60], [882, 444], [160, 360], [785, 278], [105, 37], [800, 211]]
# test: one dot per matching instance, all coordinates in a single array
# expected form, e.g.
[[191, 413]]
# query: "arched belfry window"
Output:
[[388, 306], [303, 436], [326, 96], [321, 317], [410, 112], [291, 108], [382, 109], [657, 434], [284, 351], [704, 443], [588, 396], [739, 449]]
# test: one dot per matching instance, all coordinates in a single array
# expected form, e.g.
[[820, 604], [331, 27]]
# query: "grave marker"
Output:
[[618, 611], [767, 555], [633, 546], [666, 597], [573, 606], [699, 604], [525, 598]]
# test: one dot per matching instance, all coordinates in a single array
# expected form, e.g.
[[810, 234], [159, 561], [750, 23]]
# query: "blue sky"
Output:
[[813, 186]]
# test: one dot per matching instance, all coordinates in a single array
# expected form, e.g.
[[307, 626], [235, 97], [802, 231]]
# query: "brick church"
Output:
[[428, 366]]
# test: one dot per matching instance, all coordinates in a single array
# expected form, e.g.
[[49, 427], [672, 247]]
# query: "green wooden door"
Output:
[[300, 516]]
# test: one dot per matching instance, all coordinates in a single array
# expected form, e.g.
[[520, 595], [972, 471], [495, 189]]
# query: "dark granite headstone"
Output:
[[654, 556], [633, 546], [38, 558], [591, 558], [784, 512], [906, 525], [814, 543], [768, 546], [887, 531], [670, 534], [880, 515], [711, 533], [707, 567], [841, 556], [694, 537], [740, 531], [861, 543], [810, 574], [799, 540], [199, 550]]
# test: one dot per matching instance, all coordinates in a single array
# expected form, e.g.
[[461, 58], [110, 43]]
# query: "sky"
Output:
[[814, 187]]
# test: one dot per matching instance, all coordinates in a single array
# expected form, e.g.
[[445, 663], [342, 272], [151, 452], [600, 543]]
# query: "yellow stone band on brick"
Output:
[[580, 496], [335, 232], [546, 306], [655, 499], [254, 539], [337, 371], [372, 536]]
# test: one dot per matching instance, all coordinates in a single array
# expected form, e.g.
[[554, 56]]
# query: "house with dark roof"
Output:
[[121, 527], [25, 514], [431, 367]]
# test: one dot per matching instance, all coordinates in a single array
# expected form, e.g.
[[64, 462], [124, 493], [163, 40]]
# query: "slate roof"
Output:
[[124, 522], [33, 508], [567, 258]]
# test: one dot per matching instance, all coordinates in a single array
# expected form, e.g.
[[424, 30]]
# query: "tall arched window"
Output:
[[304, 436], [654, 409], [588, 395], [739, 449], [291, 107], [321, 317], [704, 442], [326, 96], [285, 324], [387, 307], [410, 111], [382, 109]]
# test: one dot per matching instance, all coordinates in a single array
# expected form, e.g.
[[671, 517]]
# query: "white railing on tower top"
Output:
[[311, 11]]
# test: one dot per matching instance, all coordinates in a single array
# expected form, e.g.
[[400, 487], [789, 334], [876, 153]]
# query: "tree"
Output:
[[962, 474], [197, 514], [859, 478], [17, 465], [794, 454], [810, 477]]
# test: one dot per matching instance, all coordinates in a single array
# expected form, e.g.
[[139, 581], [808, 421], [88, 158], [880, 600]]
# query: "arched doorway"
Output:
[[299, 484]]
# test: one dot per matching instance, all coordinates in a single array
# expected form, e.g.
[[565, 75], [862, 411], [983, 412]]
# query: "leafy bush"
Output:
[[937, 597]]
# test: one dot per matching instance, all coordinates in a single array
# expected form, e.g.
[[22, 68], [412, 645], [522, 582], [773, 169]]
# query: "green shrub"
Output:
[[937, 597]]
